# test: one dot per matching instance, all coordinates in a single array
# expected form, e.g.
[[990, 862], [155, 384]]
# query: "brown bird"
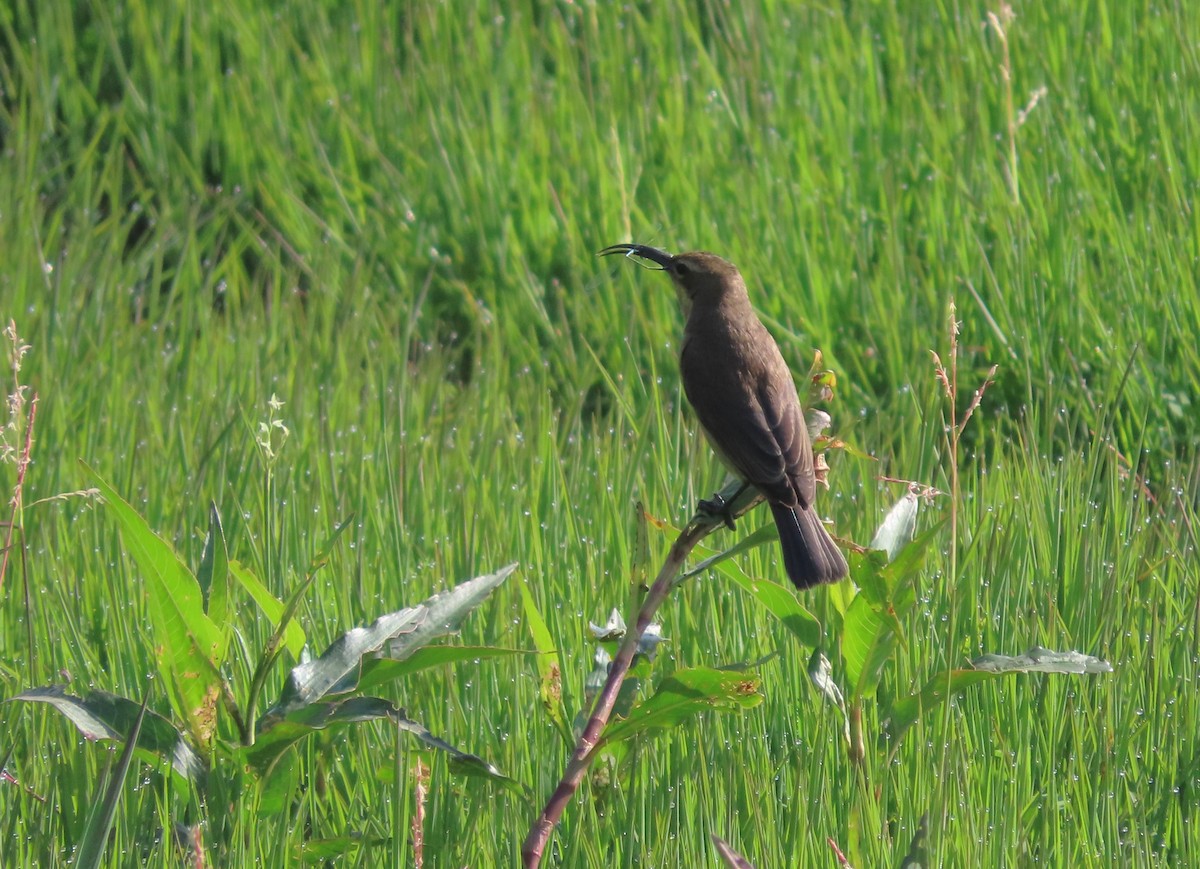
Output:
[[743, 393]]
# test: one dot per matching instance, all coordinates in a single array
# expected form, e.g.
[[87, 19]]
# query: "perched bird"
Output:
[[745, 399]]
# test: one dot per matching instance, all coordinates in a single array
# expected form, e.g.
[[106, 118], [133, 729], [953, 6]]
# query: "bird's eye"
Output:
[[680, 268]]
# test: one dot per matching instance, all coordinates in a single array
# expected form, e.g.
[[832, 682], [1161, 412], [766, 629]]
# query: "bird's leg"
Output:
[[718, 506]]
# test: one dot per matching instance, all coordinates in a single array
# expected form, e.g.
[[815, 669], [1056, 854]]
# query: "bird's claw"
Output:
[[717, 506]]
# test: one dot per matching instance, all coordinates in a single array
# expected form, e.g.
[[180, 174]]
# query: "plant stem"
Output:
[[955, 432], [17, 520], [696, 530], [999, 20]]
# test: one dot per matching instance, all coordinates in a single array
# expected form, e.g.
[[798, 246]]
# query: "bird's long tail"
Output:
[[809, 553]]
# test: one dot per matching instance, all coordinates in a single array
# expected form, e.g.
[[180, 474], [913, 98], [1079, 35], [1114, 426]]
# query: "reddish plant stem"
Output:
[[581, 759]]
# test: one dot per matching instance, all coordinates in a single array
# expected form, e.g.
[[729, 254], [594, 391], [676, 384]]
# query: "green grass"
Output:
[[388, 219]]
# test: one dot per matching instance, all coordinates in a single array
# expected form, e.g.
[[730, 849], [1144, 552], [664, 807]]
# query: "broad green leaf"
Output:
[[395, 635], [311, 680], [187, 643], [1042, 660], [469, 765], [100, 715], [872, 625], [684, 694], [100, 819], [273, 743], [446, 611], [294, 637], [869, 637], [869, 570], [213, 574], [903, 574], [781, 602]]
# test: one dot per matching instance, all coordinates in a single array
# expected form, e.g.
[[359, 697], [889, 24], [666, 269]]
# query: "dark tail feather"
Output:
[[809, 553]]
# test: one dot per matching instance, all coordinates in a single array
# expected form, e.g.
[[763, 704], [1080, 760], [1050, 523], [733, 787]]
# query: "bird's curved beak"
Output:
[[659, 257]]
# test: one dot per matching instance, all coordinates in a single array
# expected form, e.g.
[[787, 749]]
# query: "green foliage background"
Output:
[[386, 214]]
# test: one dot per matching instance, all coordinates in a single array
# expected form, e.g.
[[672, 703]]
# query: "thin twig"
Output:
[[977, 398]]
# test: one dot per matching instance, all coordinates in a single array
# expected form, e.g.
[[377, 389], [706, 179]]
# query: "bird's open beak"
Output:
[[659, 257]]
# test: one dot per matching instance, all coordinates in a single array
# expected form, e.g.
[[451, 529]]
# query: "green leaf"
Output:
[[1042, 660], [278, 787], [820, 671], [872, 624], [100, 819], [447, 610], [778, 600], [471, 765], [274, 741], [684, 694], [395, 635], [213, 575], [898, 527], [910, 560], [272, 744], [100, 715], [321, 556], [187, 643], [337, 850], [763, 535], [842, 594], [946, 684], [549, 666], [380, 671], [869, 571], [869, 637], [310, 681], [294, 637]]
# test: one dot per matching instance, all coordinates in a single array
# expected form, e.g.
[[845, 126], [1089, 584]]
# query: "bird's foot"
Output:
[[718, 507]]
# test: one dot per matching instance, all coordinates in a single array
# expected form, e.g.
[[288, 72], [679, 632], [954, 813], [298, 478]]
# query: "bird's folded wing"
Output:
[[767, 445]]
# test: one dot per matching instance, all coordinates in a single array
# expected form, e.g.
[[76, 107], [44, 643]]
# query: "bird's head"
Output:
[[700, 277]]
